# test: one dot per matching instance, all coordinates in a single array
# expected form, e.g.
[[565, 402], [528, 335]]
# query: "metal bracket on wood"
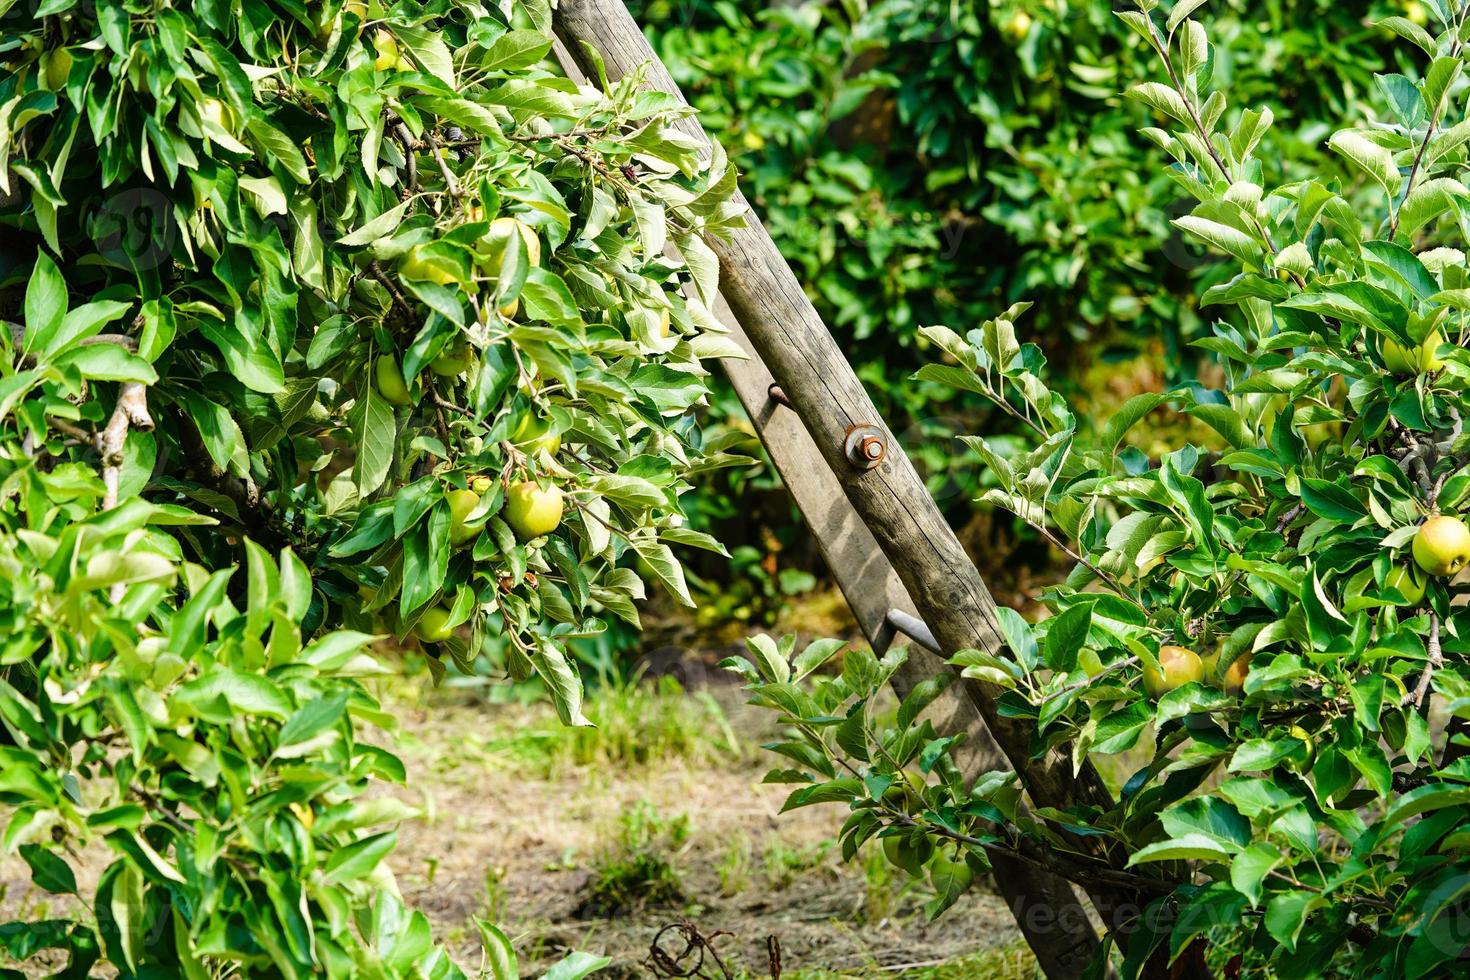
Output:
[[914, 628]]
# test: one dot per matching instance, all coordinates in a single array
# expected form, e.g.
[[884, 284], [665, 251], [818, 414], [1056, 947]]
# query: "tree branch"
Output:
[[1436, 660], [130, 411], [252, 512]]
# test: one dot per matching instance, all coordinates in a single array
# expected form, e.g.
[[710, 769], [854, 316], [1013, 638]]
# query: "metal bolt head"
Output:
[[865, 446]]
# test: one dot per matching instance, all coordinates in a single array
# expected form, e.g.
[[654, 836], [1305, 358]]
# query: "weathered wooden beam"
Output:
[[774, 321], [1060, 934]]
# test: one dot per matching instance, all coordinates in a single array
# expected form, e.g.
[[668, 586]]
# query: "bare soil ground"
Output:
[[528, 850]]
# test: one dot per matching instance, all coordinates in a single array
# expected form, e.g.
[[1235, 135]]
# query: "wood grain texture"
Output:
[[764, 296]]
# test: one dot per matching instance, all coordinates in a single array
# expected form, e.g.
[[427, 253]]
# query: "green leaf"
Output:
[[816, 653], [48, 870], [1127, 416], [248, 694], [1213, 818], [563, 681], [45, 303], [277, 145], [426, 45], [85, 321], [360, 858], [1231, 241], [1182, 9], [575, 966], [1423, 800], [329, 653], [665, 567], [1188, 847], [376, 432], [311, 719], [1409, 31], [832, 791], [1287, 912], [516, 49], [1331, 500], [383, 224], [500, 955], [1250, 867], [107, 362], [1373, 160]]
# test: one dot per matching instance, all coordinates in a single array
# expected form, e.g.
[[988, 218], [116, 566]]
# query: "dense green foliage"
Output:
[[922, 162], [1266, 622], [370, 286]]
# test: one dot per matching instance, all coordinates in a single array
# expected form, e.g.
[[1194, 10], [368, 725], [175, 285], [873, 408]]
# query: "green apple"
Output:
[[1233, 680], [908, 852], [903, 783], [391, 384], [1302, 761], [1442, 545], [491, 246], [1409, 581], [433, 626], [532, 510], [534, 433], [1177, 666], [419, 264], [216, 112], [461, 504], [950, 875], [56, 69], [386, 46], [1018, 26], [1420, 360], [490, 251], [453, 361]]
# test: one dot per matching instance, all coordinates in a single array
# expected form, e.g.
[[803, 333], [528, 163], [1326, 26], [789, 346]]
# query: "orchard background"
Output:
[[375, 519]]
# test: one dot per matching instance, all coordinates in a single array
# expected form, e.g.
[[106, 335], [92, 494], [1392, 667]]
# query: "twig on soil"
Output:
[[696, 945]]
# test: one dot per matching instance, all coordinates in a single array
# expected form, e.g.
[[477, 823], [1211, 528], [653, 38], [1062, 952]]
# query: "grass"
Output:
[[637, 868], [1012, 961], [636, 725]]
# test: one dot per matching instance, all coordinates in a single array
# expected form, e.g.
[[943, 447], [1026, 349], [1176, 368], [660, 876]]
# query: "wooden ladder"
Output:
[[898, 563]]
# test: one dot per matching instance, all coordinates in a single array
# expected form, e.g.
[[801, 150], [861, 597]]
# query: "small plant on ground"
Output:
[[639, 866]]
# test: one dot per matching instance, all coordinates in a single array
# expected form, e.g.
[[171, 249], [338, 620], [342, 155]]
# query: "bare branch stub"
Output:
[[130, 412]]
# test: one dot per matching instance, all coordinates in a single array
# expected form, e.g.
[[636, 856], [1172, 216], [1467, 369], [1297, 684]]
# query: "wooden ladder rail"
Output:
[[1055, 924]]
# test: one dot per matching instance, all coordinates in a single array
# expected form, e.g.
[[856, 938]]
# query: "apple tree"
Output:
[[1264, 637], [323, 323]]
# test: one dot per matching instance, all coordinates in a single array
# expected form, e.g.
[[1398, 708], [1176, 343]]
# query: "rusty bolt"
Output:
[[865, 446]]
